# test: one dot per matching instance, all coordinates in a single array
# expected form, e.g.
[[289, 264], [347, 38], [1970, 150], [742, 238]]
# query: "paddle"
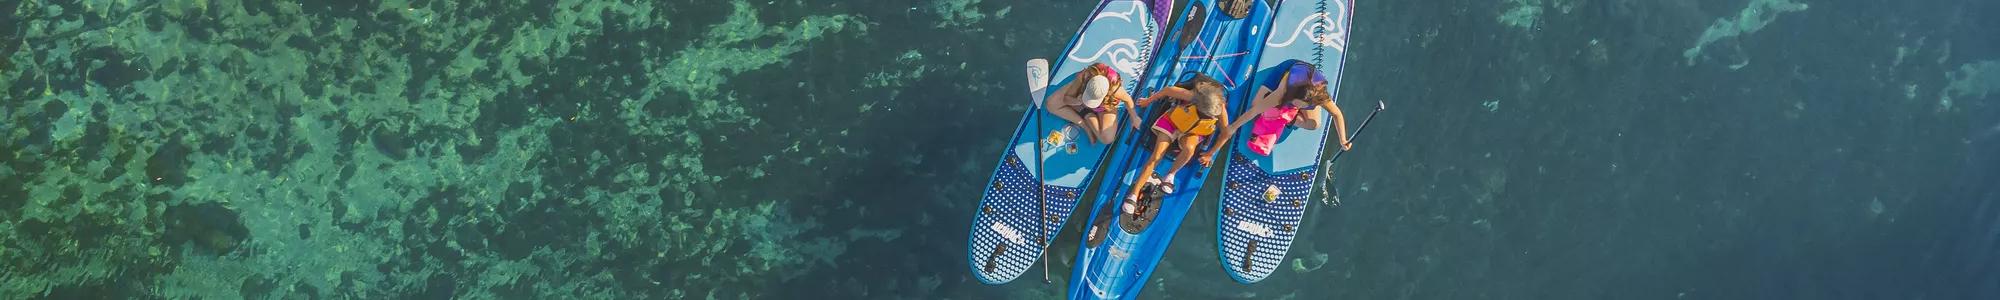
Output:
[[1038, 86], [1038, 81], [1325, 166]]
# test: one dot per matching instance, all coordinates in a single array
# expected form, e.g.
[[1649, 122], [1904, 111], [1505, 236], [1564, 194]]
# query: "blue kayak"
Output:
[[1264, 196], [1010, 228], [1121, 250]]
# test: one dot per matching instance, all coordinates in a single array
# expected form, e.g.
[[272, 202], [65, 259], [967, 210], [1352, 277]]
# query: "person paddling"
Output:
[[1297, 99]]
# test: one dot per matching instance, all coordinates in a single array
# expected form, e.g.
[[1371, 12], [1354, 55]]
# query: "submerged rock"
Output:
[[209, 227], [168, 165]]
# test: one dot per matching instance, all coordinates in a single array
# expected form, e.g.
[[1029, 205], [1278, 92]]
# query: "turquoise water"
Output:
[[1534, 149]]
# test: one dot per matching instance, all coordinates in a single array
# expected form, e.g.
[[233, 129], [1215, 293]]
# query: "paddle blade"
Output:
[[1038, 81]]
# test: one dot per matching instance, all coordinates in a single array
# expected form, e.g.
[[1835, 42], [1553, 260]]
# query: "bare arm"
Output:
[[1220, 137], [1060, 97], [1266, 98], [1131, 111], [1310, 119], [1340, 127], [1171, 91], [1217, 143], [1058, 104], [1121, 95]]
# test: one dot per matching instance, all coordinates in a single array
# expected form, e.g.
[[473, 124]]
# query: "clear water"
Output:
[[1534, 149]]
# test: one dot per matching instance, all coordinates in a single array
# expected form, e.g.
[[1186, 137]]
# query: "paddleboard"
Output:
[[1264, 196], [1010, 228]]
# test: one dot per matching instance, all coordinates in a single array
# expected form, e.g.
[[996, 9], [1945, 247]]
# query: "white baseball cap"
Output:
[[1095, 90]]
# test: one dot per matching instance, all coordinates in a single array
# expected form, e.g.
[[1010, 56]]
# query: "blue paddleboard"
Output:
[[1010, 229], [1264, 196], [1119, 252]]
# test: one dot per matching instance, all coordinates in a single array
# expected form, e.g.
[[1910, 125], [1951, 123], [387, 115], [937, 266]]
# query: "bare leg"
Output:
[[1108, 128], [1146, 173], [1188, 145], [1064, 112], [1090, 125]]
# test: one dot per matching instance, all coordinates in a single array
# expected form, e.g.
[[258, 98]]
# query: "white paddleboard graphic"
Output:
[[1327, 34], [1123, 53]]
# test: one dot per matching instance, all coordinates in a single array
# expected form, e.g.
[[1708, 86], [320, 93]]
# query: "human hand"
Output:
[[1206, 158], [1348, 145]]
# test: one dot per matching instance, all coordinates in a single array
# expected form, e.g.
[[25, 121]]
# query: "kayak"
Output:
[[1120, 250], [1010, 227], [1264, 196]]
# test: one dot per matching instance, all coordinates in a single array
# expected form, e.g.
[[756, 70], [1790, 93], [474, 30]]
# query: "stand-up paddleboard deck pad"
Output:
[[1010, 228], [1264, 197]]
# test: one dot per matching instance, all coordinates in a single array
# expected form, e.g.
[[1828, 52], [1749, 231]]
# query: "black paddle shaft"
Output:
[[1323, 168], [1379, 107]]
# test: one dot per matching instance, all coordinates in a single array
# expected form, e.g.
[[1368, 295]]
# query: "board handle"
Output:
[[991, 259], [1249, 251]]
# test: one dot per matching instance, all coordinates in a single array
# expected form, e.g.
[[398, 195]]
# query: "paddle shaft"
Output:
[[1326, 167], [1042, 196], [1357, 134], [1038, 77]]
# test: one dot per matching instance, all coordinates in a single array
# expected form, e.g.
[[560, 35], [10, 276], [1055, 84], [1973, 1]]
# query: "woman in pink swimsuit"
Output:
[[1296, 99]]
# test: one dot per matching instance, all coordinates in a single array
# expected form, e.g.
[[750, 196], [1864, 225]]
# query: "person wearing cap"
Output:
[[1092, 101], [1297, 98], [1198, 107]]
